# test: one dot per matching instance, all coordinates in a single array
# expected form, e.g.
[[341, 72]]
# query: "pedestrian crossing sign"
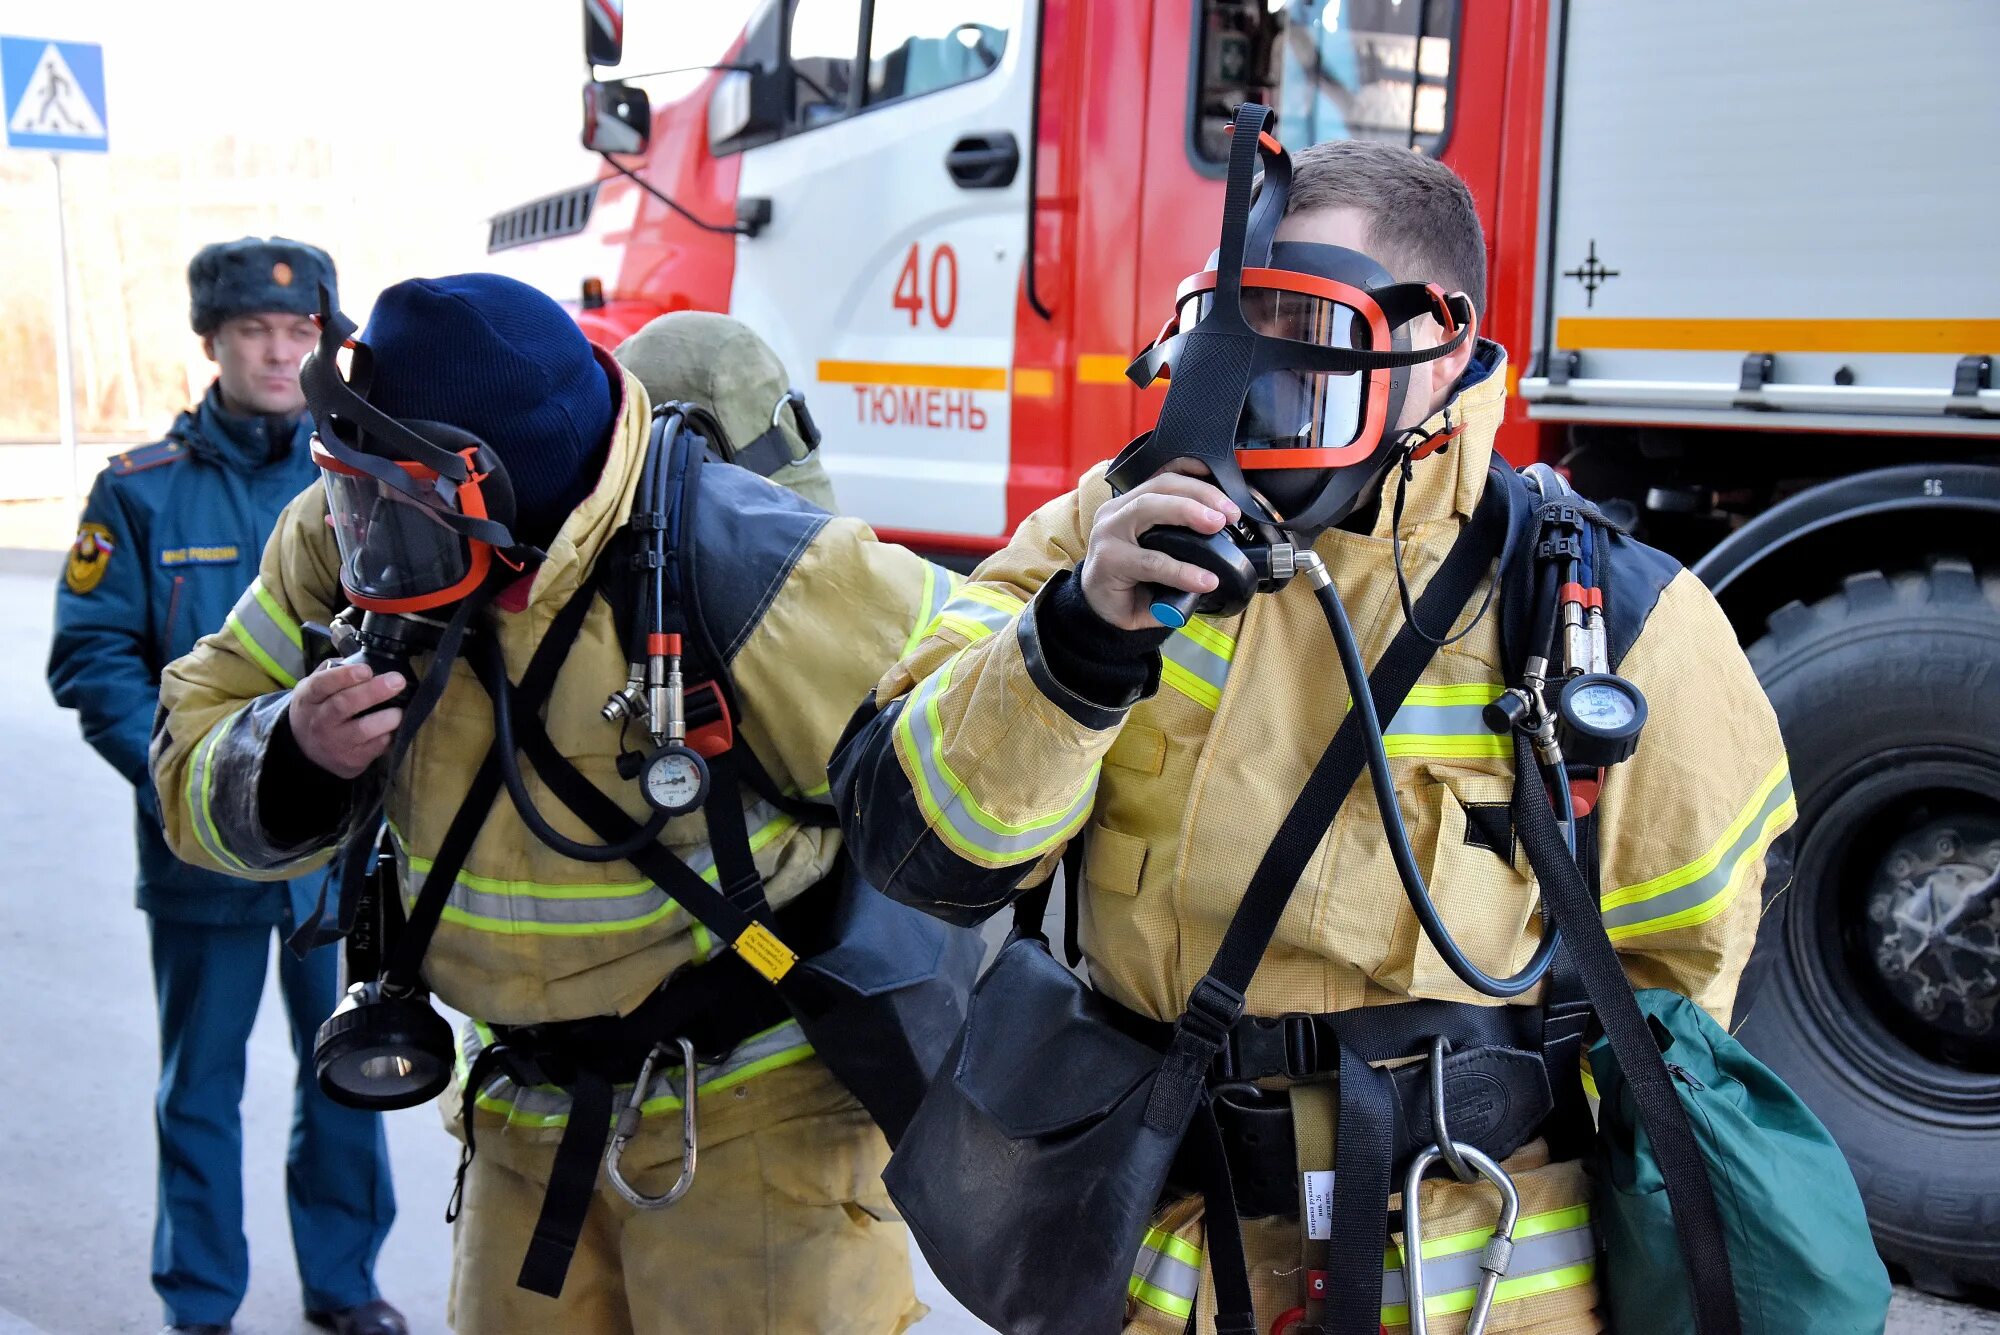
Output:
[[53, 94]]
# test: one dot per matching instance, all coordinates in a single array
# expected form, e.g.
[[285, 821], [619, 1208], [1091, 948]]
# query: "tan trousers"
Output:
[[786, 1228], [1552, 1289]]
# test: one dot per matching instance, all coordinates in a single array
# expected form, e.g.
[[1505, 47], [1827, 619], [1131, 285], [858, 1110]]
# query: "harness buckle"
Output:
[[628, 1127], [1212, 1011], [1493, 1260]]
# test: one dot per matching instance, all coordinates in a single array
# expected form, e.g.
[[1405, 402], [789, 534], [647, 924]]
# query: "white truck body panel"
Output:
[[1805, 178]]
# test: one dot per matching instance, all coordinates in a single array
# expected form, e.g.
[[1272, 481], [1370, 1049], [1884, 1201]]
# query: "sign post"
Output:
[[53, 97]]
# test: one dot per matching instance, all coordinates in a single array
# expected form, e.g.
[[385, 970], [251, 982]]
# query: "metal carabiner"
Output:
[[628, 1127], [1440, 1131], [1493, 1261]]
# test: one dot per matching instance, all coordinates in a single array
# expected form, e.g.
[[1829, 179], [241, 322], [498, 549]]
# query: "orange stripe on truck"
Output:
[[906, 373], [1951, 337], [1097, 368]]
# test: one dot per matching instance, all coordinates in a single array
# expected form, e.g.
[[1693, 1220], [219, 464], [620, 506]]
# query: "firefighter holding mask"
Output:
[[1133, 681], [570, 644]]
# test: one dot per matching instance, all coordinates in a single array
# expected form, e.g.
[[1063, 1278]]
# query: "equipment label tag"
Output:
[[1319, 1204], [764, 952]]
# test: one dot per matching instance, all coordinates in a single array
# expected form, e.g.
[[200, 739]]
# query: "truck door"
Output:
[[887, 275]]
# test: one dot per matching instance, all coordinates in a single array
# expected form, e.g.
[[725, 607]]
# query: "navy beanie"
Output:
[[494, 357]]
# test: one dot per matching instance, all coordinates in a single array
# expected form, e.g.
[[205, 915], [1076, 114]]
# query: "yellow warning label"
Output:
[[764, 952]]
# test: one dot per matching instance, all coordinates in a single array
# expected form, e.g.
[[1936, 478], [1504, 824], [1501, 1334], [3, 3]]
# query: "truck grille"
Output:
[[564, 213]]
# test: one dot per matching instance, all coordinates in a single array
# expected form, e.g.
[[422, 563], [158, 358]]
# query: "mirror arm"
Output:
[[732, 229], [689, 69]]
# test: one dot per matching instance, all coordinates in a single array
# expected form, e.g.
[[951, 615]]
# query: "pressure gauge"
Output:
[[675, 779], [1598, 718]]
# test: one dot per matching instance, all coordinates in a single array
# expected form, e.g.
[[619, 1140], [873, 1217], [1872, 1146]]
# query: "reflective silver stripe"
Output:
[[200, 791], [939, 585], [975, 611], [488, 904], [951, 811], [1166, 1274], [1195, 661], [545, 1105], [1703, 888], [268, 635], [1445, 721], [1447, 1275]]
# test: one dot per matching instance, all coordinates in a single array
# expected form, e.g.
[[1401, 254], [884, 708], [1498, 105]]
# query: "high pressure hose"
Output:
[[1393, 828], [494, 676]]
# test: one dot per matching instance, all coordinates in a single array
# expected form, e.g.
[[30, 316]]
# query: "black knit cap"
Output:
[[494, 357], [252, 276]]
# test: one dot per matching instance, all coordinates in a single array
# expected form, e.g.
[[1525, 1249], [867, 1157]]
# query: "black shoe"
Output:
[[376, 1318], [194, 1328]]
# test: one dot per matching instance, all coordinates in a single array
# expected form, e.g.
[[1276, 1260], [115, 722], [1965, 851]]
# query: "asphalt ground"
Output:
[[78, 1038]]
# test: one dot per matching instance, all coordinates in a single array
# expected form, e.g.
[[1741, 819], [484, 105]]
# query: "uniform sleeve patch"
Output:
[[198, 556], [88, 557]]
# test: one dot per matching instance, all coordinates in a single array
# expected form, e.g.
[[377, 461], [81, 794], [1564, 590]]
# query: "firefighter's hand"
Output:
[[329, 717], [1116, 569]]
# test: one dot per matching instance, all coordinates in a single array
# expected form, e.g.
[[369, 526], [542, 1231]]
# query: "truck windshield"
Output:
[[1334, 69]]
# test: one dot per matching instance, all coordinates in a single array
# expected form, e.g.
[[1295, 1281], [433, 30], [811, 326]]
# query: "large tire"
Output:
[[1889, 697]]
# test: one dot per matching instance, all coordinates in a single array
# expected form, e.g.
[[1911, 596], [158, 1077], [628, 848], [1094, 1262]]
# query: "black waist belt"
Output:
[[1497, 1083], [714, 1006]]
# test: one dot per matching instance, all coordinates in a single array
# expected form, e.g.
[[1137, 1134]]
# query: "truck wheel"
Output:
[[1878, 988]]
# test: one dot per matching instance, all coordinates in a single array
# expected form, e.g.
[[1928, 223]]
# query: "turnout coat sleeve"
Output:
[[221, 704], [970, 767], [1686, 825]]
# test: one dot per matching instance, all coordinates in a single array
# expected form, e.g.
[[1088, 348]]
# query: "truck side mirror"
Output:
[[746, 107], [617, 118], [603, 31]]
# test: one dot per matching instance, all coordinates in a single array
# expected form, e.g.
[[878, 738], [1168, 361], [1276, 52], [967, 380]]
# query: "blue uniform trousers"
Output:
[[209, 980]]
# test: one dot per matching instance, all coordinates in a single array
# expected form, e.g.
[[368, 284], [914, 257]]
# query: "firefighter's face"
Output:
[[1431, 383], [257, 359]]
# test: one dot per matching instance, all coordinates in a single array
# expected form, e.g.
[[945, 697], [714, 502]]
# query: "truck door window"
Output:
[[1334, 69], [920, 46], [825, 35]]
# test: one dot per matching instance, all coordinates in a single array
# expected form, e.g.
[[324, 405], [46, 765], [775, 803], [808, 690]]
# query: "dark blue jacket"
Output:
[[170, 539]]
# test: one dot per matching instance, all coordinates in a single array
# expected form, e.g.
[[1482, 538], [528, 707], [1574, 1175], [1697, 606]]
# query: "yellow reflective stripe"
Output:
[[269, 635], [1179, 1248], [1697, 892], [1529, 1226], [257, 654], [532, 908], [1508, 1290], [1193, 687], [1195, 661], [1166, 1273], [1159, 1299], [1445, 748], [547, 1106], [950, 810], [974, 612], [278, 615], [939, 585], [1480, 693], [1209, 638], [200, 788], [1680, 876]]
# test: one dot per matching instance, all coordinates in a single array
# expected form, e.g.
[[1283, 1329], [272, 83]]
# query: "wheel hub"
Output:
[[1933, 925]]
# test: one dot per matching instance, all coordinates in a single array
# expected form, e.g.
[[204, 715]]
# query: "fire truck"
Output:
[[1743, 262]]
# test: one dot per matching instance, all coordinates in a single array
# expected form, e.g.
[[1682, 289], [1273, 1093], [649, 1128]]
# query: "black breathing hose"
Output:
[[1393, 827], [502, 691]]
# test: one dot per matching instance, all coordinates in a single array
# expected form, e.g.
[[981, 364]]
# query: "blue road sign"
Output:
[[53, 94]]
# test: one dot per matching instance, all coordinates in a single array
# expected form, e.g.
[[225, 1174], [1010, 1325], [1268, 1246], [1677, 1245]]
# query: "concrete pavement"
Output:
[[76, 1149]]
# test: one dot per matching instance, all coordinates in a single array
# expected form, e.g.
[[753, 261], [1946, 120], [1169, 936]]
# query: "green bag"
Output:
[[1798, 1237]]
